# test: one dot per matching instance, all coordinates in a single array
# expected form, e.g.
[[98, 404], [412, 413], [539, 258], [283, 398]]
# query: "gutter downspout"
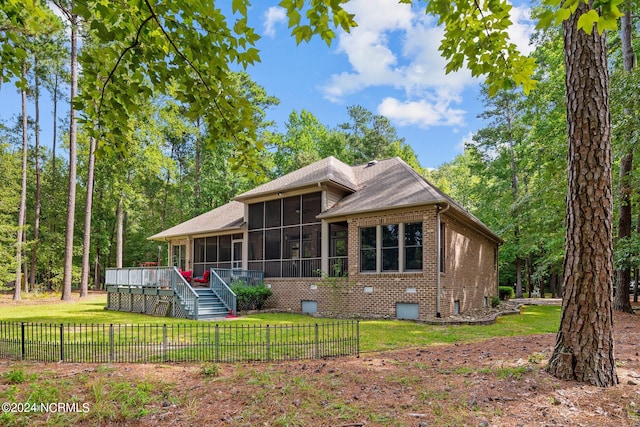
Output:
[[439, 211]]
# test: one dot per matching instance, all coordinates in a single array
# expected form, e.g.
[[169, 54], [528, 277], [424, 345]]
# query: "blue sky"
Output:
[[389, 64]]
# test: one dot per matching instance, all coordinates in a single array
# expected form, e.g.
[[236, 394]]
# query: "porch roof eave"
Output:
[[165, 237]]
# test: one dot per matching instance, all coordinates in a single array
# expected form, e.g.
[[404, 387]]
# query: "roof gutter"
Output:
[[439, 211]]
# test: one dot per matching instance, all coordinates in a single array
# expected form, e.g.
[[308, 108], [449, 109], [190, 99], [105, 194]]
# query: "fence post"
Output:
[[357, 338], [111, 342], [268, 346], [164, 342], [24, 349], [217, 343], [317, 342], [62, 342]]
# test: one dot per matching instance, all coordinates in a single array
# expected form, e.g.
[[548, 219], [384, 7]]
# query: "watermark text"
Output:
[[52, 407]]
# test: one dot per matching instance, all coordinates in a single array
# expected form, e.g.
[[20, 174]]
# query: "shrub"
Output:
[[505, 292], [250, 297], [495, 301]]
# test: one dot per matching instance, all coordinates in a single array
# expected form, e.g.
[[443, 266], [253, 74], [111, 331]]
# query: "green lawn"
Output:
[[375, 335]]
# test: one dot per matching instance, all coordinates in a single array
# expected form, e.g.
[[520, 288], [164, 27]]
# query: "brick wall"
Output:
[[470, 268], [470, 275]]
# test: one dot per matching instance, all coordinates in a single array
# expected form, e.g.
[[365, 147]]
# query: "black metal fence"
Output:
[[114, 343]]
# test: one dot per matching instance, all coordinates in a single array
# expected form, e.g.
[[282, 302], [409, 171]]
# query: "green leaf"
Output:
[[562, 15], [239, 6], [587, 21]]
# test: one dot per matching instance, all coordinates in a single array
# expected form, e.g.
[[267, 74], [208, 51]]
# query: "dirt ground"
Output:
[[499, 382]]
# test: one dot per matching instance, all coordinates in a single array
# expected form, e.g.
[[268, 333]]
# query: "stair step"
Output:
[[209, 305]]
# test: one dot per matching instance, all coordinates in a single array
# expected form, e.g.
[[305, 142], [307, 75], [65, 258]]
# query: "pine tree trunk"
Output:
[[119, 232], [635, 286], [518, 277], [584, 346], [553, 283], [623, 276], [22, 212], [86, 243], [196, 184], [97, 283], [165, 198], [54, 172], [36, 220], [71, 196], [529, 265]]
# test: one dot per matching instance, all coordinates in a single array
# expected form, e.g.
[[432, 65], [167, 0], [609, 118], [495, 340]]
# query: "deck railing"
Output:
[[101, 343], [223, 291], [338, 266], [139, 276], [249, 277], [159, 277]]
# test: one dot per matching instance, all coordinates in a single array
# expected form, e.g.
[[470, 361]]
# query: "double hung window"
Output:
[[391, 248]]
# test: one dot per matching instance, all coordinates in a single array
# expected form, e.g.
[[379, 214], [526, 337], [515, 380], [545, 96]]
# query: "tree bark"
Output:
[[71, 196], [54, 172], [584, 349], [518, 275], [119, 231], [36, 219], [515, 192], [196, 184], [86, 243], [553, 283], [22, 212]]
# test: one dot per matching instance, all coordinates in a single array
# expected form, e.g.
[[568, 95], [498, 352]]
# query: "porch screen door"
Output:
[[179, 256], [236, 261]]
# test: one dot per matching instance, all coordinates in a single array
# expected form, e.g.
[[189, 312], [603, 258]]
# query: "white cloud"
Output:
[[397, 46], [467, 139], [272, 17], [521, 29], [421, 113]]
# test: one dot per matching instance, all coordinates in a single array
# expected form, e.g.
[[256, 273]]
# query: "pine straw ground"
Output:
[[498, 382]]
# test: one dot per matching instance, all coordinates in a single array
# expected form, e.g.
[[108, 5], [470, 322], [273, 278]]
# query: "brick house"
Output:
[[374, 240]]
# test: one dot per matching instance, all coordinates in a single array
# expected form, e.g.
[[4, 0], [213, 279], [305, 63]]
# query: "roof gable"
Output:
[[386, 184], [327, 170]]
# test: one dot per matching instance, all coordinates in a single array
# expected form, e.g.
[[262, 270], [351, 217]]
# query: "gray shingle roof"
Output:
[[326, 170], [225, 217], [386, 184], [377, 186], [391, 184]]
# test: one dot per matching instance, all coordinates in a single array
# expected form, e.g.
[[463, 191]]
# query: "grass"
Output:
[[389, 334], [99, 399], [375, 335]]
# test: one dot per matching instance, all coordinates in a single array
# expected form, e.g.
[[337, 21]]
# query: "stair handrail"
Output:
[[187, 296], [223, 292]]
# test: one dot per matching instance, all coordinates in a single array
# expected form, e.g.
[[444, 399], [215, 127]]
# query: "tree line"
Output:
[[149, 118], [169, 174]]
